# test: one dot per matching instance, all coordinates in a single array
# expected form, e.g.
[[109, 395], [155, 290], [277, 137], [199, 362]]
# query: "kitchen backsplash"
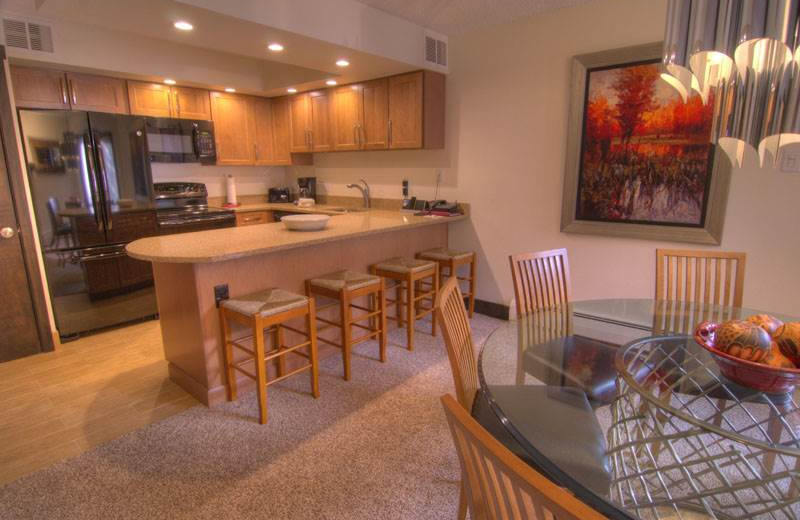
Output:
[[250, 180]]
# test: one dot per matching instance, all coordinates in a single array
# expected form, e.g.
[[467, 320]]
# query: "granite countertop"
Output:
[[217, 245], [325, 209]]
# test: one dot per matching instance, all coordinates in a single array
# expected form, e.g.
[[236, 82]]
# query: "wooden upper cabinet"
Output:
[[39, 88], [262, 130], [375, 128], [191, 103], [281, 131], [347, 117], [233, 128], [321, 138], [97, 93], [300, 127], [150, 99], [158, 100], [405, 111]]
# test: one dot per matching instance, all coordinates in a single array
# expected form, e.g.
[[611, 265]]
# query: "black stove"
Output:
[[183, 206]]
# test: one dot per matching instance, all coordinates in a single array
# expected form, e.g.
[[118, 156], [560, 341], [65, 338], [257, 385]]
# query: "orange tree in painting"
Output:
[[634, 87], [645, 155]]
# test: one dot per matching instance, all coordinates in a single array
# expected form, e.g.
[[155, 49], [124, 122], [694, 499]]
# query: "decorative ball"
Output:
[[766, 322], [788, 339], [744, 340], [776, 359]]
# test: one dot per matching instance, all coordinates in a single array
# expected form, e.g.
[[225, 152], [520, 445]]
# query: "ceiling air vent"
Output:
[[16, 33], [435, 51], [27, 35]]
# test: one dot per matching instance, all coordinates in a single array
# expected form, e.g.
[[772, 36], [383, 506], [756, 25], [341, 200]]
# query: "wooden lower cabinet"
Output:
[[251, 218]]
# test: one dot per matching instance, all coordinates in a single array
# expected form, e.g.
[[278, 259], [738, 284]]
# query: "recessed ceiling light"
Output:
[[183, 25], [169, 81], [331, 82], [291, 90], [275, 47], [230, 89], [342, 63]]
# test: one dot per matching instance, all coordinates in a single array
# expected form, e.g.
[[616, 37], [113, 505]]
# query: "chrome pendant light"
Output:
[[742, 54]]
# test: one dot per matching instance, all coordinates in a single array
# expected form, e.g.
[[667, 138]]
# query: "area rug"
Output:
[[374, 447]]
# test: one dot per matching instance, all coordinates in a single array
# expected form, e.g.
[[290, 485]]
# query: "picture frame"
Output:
[[708, 230]]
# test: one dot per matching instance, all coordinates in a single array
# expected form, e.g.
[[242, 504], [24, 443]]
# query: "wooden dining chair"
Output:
[[457, 333], [499, 485], [541, 280], [700, 276]]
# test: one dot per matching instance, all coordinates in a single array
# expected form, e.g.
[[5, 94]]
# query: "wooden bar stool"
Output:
[[452, 260], [344, 287], [266, 312], [411, 273]]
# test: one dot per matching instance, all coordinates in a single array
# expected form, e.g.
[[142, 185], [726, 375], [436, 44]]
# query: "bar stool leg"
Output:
[[226, 342], [311, 323], [410, 314], [344, 300], [261, 370], [382, 319], [435, 292], [279, 344], [472, 285], [398, 304]]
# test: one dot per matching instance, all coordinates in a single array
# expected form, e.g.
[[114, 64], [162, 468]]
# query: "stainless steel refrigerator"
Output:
[[91, 185]]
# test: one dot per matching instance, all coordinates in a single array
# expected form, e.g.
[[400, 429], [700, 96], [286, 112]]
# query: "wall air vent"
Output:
[[27, 35], [435, 51]]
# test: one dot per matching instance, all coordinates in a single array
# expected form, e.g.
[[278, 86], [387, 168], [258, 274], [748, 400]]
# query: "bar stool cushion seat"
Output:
[[266, 303], [405, 265], [339, 280], [442, 253]]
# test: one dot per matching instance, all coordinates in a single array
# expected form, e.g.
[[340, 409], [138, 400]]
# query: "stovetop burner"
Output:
[[186, 202]]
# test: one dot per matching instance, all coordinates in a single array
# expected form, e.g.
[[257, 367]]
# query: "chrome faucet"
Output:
[[364, 191]]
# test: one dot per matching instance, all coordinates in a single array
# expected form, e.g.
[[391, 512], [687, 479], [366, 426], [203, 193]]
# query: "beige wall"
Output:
[[507, 110]]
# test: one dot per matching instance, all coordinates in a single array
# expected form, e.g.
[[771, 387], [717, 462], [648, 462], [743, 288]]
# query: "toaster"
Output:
[[278, 195]]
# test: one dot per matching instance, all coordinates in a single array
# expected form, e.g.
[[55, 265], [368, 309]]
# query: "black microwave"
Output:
[[171, 140]]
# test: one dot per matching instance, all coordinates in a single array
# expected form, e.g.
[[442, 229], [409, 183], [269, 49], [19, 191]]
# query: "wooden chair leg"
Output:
[[462, 502], [261, 371], [472, 286], [311, 323], [382, 319], [410, 314], [435, 292], [344, 300], [226, 342]]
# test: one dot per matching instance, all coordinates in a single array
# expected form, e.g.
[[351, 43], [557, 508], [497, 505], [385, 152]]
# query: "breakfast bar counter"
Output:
[[188, 267]]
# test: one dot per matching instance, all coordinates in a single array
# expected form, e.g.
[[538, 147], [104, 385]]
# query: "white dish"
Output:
[[309, 222]]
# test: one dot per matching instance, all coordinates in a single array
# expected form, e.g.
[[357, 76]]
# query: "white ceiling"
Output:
[[459, 16]]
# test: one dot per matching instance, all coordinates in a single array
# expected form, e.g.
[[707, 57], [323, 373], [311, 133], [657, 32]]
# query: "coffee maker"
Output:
[[307, 187]]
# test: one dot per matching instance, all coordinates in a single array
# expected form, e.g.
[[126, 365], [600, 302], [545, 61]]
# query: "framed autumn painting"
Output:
[[639, 160]]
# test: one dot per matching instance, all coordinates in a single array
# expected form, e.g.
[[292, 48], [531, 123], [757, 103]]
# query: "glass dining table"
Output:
[[614, 400]]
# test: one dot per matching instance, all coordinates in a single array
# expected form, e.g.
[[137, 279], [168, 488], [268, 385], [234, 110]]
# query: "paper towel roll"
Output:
[[231, 189]]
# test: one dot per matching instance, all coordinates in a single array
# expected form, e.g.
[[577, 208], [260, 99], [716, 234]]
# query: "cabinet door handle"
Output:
[[255, 150], [355, 135], [178, 104], [311, 139], [74, 92], [63, 84], [389, 132]]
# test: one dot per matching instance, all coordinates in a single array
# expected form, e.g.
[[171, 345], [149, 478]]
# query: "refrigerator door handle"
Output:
[[89, 150], [104, 180]]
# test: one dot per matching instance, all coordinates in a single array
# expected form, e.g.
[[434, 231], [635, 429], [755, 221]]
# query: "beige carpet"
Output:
[[374, 447]]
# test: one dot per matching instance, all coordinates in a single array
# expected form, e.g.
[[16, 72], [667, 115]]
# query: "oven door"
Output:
[[171, 226], [171, 140]]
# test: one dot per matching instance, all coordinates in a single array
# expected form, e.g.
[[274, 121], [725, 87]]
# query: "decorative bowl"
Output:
[[309, 222], [758, 376]]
